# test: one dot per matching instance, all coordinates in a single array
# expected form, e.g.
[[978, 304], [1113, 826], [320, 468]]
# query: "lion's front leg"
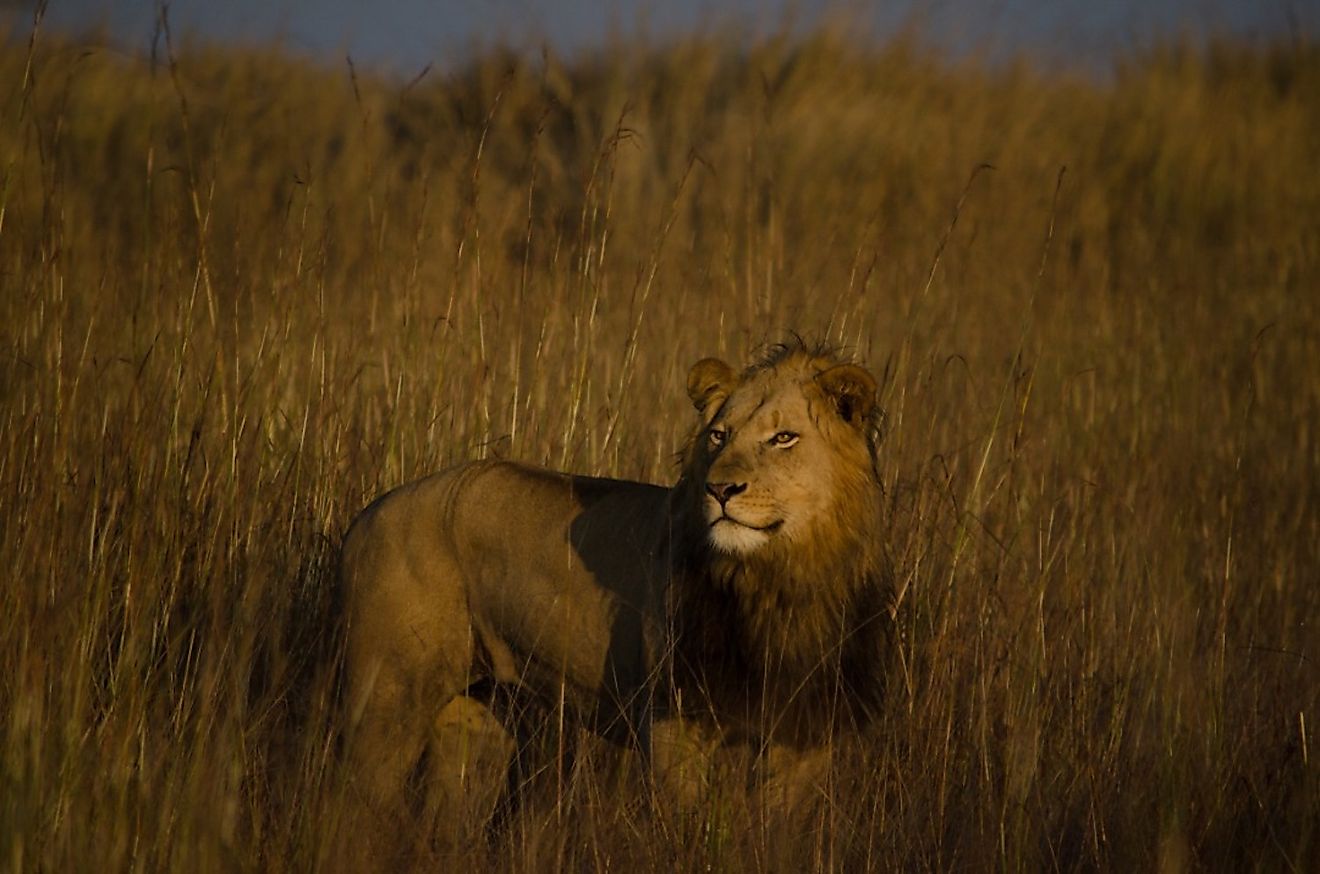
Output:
[[684, 763], [790, 780], [790, 792]]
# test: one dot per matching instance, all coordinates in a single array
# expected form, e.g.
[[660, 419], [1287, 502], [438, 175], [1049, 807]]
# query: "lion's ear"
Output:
[[709, 381], [851, 389]]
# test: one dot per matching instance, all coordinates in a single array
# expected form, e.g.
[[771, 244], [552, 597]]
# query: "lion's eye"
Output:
[[718, 436], [784, 439]]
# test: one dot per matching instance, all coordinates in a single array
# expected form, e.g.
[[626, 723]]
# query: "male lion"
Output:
[[745, 602]]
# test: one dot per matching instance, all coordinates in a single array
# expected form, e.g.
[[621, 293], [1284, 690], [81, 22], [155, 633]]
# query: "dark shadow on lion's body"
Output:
[[631, 672], [631, 676]]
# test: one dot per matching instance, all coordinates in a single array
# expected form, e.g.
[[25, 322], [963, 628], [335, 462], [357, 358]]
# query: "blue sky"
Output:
[[405, 35]]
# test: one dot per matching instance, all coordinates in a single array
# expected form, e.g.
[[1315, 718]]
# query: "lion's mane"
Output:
[[795, 631]]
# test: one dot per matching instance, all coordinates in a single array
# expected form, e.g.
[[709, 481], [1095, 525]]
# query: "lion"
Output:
[[746, 603]]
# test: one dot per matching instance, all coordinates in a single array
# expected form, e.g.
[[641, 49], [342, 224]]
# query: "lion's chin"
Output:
[[732, 537]]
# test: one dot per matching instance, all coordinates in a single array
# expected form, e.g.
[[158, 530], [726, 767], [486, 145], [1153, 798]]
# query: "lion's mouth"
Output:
[[767, 529]]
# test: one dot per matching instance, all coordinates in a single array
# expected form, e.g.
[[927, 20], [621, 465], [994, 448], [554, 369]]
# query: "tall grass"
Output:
[[240, 295]]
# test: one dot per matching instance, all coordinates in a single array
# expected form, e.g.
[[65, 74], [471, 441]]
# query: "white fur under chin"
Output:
[[736, 539]]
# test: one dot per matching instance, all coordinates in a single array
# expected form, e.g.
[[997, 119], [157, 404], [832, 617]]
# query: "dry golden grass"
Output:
[[240, 295]]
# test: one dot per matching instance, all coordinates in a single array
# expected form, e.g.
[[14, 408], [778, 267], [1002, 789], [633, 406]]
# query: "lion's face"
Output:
[[784, 448]]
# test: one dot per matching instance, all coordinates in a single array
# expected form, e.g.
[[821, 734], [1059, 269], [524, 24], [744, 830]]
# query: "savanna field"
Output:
[[241, 294]]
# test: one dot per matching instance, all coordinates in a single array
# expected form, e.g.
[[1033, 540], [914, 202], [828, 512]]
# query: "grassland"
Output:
[[241, 294]]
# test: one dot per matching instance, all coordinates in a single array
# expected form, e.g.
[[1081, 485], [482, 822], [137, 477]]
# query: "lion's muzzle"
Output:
[[722, 492]]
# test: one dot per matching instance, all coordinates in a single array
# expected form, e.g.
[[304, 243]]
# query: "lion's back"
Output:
[[540, 567]]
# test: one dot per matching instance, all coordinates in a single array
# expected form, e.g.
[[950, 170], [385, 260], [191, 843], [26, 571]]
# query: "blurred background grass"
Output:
[[242, 294]]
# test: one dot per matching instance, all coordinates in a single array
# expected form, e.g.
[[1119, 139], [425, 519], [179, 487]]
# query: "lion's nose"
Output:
[[723, 491]]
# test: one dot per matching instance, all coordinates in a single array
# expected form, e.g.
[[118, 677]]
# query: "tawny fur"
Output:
[[747, 600], [784, 643]]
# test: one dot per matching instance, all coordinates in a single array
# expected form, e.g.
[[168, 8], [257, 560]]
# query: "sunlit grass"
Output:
[[240, 295]]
